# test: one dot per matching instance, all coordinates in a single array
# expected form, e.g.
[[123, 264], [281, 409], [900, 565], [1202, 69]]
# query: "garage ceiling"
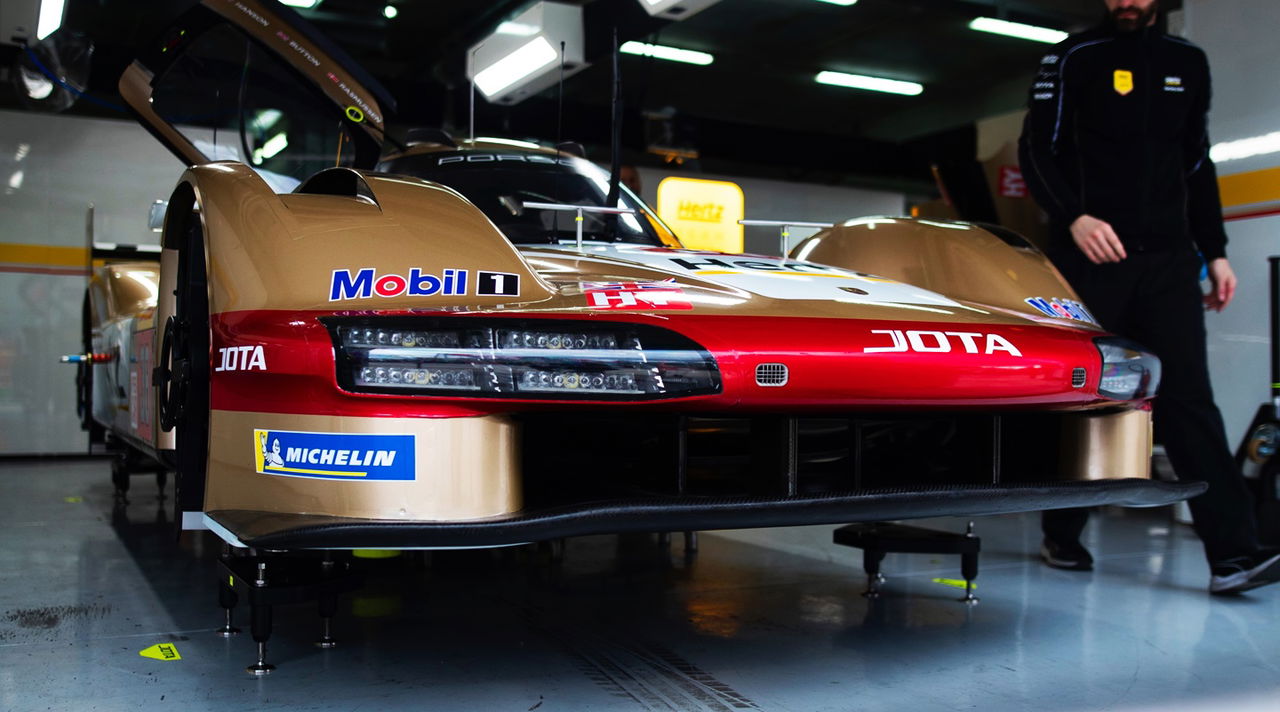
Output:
[[756, 110]]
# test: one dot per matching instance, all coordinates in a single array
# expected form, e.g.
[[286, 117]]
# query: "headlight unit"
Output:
[[1128, 371], [507, 358]]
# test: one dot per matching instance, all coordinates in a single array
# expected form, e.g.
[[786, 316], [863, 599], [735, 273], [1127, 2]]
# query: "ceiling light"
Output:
[[50, 18], [675, 54], [1246, 148], [528, 53], [862, 81], [1017, 29], [304, 4], [675, 9], [530, 58], [845, 3], [390, 12], [274, 145], [519, 29]]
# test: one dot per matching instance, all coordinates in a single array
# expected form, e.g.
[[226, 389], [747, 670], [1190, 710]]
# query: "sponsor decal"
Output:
[[635, 295], [941, 342], [140, 396], [1173, 84], [496, 157], [1122, 80], [1049, 59], [366, 283], [1012, 184], [716, 265], [1062, 309], [241, 358], [497, 284], [334, 456], [256, 17], [1042, 96]]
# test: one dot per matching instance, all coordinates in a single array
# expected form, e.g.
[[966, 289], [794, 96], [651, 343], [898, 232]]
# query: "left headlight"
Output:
[[535, 359], [1128, 371]]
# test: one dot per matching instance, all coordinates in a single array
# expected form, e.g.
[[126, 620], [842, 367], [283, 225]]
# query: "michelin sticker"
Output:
[[334, 456]]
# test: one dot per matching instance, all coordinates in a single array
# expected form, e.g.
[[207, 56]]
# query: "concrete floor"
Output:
[[767, 619]]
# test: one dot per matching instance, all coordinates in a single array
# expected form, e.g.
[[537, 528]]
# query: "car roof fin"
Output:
[[339, 181]]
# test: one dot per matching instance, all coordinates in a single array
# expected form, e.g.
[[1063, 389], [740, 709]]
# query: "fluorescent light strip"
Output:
[[50, 18], [862, 81], [1017, 29], [674, 54], [304, 4], [845, 3], [527, 60], [1246, 148]]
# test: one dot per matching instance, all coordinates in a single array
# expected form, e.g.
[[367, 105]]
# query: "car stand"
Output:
[[880, 538], [266, 580], [127, 462]]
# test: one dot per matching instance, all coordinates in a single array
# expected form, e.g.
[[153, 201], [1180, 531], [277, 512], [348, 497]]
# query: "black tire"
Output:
[[185, 398]]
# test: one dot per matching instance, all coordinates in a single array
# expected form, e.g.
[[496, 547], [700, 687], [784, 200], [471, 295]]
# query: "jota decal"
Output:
[[1061, 309], [941, 342], [635, 295], [242, 358], [366, 282], [334, 456]]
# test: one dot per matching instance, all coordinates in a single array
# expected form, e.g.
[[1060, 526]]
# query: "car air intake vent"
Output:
[[1078, 377], [771, 374]]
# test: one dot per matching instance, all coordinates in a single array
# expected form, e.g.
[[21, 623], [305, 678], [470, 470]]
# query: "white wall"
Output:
[[1239, 37], [64, 163], [782, 200]]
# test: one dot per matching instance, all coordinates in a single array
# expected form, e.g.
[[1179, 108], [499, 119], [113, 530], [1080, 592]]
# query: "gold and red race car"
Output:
[[473, 346]]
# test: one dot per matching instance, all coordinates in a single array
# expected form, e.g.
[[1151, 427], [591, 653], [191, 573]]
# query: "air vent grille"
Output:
[[772, 374], [1078, 377]]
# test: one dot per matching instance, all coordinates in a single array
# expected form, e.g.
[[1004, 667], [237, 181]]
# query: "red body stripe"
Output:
[[829, 370]]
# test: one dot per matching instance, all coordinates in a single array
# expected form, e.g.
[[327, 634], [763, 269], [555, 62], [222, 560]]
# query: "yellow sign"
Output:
[[161, 651], [703, 213], [1123, 82]]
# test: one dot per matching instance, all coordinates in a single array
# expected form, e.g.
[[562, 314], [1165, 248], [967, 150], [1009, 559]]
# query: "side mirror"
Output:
[[155, 218]]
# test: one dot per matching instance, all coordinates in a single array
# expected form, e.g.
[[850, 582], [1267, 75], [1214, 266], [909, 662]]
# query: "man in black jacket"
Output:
[[1116, 150]]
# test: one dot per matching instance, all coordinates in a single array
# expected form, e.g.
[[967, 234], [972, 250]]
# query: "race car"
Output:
[[474, 345]]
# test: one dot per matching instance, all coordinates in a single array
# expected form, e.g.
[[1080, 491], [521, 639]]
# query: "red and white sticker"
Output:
[[635, 295], [1012, 184]]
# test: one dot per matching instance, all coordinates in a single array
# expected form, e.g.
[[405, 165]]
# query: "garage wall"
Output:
[[782, 200], [51, 168], [1239, 37]]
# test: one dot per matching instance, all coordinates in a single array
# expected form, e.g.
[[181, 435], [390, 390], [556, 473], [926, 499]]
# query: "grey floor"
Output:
[[765, 619]]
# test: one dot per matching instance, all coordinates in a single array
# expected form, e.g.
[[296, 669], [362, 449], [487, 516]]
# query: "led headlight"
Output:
[[497, 358], [1128, 371]]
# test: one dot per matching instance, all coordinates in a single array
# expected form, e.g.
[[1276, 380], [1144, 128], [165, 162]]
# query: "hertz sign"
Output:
[[704, 213]]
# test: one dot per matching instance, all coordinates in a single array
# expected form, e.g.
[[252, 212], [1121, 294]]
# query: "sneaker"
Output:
[[1245, 572], [1071, 557]]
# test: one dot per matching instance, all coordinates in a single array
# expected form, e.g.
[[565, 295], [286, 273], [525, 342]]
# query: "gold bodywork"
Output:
[[1105, 446], [467, 468], [960, 260]]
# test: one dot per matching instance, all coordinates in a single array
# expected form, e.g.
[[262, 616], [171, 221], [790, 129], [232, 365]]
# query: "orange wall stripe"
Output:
[[1250, 188], [12, 253]]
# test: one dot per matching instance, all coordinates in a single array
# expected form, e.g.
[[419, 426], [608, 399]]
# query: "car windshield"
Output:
[[501, 183]]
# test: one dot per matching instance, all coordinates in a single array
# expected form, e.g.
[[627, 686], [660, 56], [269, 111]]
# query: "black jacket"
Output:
[[1117, 130]]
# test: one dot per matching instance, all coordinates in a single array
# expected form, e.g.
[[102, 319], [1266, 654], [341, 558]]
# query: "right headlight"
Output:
[[1128, 372]]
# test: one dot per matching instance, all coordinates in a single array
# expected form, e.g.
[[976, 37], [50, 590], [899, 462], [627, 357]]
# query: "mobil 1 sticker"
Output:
[[497, 284], [334, 456]]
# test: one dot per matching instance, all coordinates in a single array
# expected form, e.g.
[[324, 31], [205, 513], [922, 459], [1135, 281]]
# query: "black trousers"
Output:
[[1155, 299]]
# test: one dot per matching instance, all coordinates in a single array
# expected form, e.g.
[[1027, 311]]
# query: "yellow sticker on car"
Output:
[[1123, 82]]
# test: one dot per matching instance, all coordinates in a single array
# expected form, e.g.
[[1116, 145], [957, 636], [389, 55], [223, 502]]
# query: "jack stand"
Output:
[[267, 580], [227, 599], [691, 542], [878, 539]]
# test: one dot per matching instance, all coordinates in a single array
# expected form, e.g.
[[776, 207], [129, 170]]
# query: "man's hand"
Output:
[[1097, 240], [1224, 285]]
